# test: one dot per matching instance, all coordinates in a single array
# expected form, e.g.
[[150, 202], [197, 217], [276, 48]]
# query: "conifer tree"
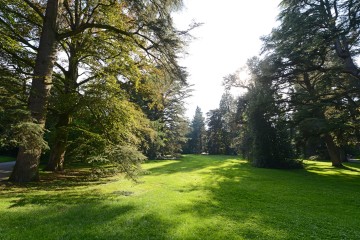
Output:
[[197, 135]]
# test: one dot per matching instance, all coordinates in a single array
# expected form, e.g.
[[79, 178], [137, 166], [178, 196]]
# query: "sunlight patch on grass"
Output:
[[196, 197], [325, 168]]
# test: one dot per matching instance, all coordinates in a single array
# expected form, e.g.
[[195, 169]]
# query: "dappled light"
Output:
[[195, 197], [349, 170], [98, 141]]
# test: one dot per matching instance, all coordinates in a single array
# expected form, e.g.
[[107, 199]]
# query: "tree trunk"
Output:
[[27, 163], [57, 154], [343, 155], [332, 150], [343, 51]]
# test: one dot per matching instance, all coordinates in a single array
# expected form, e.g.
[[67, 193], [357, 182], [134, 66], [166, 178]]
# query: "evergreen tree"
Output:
[[313, 52], [215, 144], [150, 32], [197, 135], [220, 123], [227, 109], [266, 130], [161, 96], [146, 26]]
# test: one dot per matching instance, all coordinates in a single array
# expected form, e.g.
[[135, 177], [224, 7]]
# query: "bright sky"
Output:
[[228, 37]]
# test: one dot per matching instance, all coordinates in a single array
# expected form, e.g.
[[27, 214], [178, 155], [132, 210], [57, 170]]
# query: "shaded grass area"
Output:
[[197, 197], [6, 159]]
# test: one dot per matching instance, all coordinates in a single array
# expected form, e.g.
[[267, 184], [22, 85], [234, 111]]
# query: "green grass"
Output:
[[6, 159], [197, 197]]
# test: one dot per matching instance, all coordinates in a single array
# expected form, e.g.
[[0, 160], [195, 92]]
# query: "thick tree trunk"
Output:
[[57, 154], [26, 167], [333, 151], [27, 162]]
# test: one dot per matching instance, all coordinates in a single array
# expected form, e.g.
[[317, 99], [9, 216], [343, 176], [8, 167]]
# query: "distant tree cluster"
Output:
[[303, 93], [90, 81], [99, 81]]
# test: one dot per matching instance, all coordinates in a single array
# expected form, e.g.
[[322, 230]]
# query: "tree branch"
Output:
[[35, 8]]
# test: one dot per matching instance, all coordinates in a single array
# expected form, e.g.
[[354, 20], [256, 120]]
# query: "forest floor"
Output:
[[196, 197]]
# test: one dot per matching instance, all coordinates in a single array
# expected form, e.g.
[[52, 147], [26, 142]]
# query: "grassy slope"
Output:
[[198, 197]]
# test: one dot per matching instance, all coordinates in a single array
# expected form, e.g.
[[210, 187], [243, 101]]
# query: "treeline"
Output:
[[99, 81], [90, 81], [303, 93]]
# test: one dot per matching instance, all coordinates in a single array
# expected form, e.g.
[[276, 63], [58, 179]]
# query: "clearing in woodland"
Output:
[[195, 197]]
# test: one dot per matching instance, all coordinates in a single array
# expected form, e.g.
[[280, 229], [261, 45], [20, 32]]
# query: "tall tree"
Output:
[[266, 129], [161, 96], [27, 162], [313, 52], [215, 144], [197, 135], [220, 123], [150, 29], [227, 109]]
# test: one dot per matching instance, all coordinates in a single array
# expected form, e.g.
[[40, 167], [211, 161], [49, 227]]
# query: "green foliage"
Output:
[[106, 125], [221, 127], [16, 127], [29, 135], [311, 55], [13, 86], [105, 49], [197, 134], [215, 143], [270, 145], [127, 159], [261, 120]]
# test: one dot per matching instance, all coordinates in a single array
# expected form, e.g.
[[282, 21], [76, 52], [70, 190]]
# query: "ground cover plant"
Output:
[[195, 197]]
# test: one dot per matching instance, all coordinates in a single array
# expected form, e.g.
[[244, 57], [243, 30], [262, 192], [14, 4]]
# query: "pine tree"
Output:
[[197, 136]]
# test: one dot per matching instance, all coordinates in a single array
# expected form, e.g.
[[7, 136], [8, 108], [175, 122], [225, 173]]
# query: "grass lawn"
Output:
[[6, 159], [197, 197]]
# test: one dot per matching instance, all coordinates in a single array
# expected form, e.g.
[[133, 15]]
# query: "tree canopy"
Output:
[[98, 56]]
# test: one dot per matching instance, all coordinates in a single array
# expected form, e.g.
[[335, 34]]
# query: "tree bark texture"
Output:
[[27, 163], [58, 150]]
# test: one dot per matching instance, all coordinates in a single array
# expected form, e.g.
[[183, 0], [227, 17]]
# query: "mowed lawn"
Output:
[[197, 197]]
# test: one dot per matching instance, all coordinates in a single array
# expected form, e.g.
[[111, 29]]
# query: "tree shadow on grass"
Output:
[[237, 201], [273, 203], [282, 204], [350, 171], [91, 220], [68, 198], [67, 179]]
